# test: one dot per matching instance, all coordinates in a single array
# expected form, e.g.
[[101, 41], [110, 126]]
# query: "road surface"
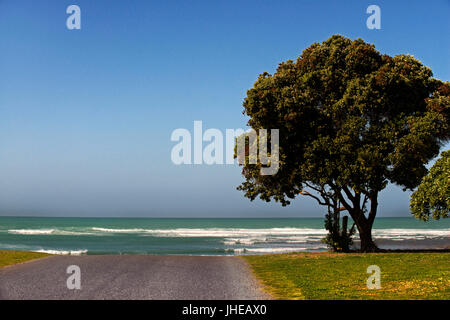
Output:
[[132, 277]]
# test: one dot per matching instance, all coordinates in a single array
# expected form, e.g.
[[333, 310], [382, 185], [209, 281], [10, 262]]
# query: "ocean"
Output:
[[78, 236]]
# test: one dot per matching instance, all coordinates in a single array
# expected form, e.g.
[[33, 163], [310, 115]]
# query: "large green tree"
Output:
[[432, 197], [351, 120]]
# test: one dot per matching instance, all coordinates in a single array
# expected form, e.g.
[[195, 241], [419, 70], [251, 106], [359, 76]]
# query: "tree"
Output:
[[350, 119], [338, 239], [432, 197]]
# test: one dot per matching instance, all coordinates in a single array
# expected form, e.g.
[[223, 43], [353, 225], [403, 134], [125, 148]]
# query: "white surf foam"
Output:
[[135, 230], [233, 235], [31, 231], [234, 232], [63, 252], [244, 241], [49, 232], [407, 234]]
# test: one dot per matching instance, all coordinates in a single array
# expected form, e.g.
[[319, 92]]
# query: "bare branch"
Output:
[[306, 193], [348, 193], [314, 188], [373, 207], [340, 196], [365, 201]]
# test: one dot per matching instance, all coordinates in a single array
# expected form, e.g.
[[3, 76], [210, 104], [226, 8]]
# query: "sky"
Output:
[[86, 115]]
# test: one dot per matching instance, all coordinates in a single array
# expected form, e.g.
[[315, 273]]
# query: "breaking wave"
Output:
[[64, 252], [31, 231]]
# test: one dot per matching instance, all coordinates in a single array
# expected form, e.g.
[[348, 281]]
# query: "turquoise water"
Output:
[[200, 236]]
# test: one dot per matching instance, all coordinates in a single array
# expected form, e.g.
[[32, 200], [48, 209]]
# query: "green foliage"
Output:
[[432, 197], [350, 118], [349, 115], [338, 239]]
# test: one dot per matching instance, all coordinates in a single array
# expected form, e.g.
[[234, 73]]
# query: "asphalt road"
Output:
[[132, 277]]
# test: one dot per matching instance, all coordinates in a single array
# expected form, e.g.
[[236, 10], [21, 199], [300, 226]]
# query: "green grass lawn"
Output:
[[8, 257], [343, 276]]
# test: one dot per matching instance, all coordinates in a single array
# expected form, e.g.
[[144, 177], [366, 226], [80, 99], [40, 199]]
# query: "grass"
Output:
[[9, 257], [311, 276]]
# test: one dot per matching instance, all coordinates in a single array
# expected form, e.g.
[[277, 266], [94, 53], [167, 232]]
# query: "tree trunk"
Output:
[[356, 211], [345, 246], [365, 235]]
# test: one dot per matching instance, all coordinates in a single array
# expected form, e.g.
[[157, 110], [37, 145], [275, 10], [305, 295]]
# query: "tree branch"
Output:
[[348, 193], [364, 201], [314, 188], [341, 197], [306, 193], [373, 207]]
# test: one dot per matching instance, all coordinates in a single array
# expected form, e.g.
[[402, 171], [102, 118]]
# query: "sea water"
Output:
[[202, 236]]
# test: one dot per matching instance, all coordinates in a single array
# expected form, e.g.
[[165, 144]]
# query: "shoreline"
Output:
[[36, 255], [422, 245]]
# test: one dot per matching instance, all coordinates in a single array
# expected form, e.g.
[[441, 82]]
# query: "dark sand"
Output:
[[132, 277], [412, 244]]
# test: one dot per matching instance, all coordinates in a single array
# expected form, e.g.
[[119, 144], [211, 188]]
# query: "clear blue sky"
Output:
[[86, 115]]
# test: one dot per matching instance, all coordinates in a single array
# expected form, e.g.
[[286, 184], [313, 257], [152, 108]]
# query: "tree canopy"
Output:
[[432, 197], [350, 120]]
